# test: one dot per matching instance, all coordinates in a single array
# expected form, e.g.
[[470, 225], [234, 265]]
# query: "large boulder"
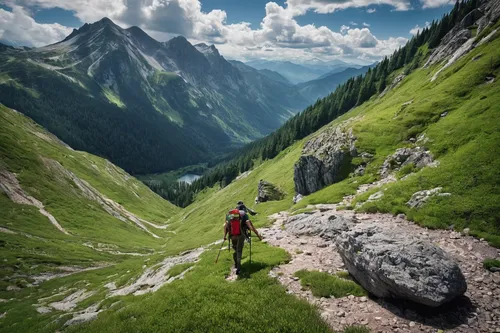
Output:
[[326, 159], [268, 192], [384, 259], [390, 264]]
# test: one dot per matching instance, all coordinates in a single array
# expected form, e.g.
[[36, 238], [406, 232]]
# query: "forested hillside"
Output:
[[145, 105]]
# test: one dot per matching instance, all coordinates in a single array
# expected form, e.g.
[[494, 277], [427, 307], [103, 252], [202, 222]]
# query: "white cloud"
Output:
[[418, 29], [300, 7], [436, 3], [19, 28], [279, 33], [353, 23], [366, 25], [85, 10], [371, 10]]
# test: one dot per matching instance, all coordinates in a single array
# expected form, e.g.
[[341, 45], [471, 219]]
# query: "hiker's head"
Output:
[[240, 203]]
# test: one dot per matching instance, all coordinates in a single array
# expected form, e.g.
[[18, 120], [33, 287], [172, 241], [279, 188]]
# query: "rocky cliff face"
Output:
[[459, 41], [325, 160]]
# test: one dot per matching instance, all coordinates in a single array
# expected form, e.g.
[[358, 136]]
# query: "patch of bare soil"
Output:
[[10, 185]]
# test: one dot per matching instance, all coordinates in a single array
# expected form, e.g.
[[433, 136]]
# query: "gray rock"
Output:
[[418, 199], [297, 198], [268, 192], [404, 156], [375, 196], [326, 159], [390, 264], [325, 226], [360, 170]]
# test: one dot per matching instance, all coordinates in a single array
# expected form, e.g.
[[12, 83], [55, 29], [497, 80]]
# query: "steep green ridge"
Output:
[[41, 165]]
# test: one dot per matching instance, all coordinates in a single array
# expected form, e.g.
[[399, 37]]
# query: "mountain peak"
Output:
[[179, 40], [105, 20]]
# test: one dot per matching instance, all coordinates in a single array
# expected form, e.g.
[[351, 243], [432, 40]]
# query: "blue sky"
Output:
[[277, 30]]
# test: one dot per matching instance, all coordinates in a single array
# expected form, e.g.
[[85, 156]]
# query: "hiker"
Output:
[[241, 206], [237, 225]]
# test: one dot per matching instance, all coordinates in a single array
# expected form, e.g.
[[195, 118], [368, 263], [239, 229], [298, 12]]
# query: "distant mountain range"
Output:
[[300, 73], [319, 88], [147, 106]]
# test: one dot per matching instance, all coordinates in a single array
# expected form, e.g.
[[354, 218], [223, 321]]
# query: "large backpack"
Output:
[[235, 221]]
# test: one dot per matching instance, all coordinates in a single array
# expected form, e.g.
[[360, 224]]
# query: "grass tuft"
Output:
[[325, 285], [490, 263]]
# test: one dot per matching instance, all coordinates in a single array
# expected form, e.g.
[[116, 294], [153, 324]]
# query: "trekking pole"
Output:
[[218, 254], [250, 241]]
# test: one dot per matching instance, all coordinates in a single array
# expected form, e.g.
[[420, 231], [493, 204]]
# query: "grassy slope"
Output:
[[37, 246]]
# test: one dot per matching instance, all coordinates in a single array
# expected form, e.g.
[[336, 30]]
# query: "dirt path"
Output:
[[478, 311]]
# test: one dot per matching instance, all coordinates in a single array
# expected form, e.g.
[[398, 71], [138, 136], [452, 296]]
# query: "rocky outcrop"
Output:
[[386, 261], [268, 192], [395, 83], [390, 264], [297, 198], [459, 41], [404, 156], [419, 198], [326, 159]]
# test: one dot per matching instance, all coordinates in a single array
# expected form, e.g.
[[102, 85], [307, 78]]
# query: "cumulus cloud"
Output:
[[300, 7], [366, 25], [418, 29], [19, 28], [279, 32], [436, 3], [371, 10]]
